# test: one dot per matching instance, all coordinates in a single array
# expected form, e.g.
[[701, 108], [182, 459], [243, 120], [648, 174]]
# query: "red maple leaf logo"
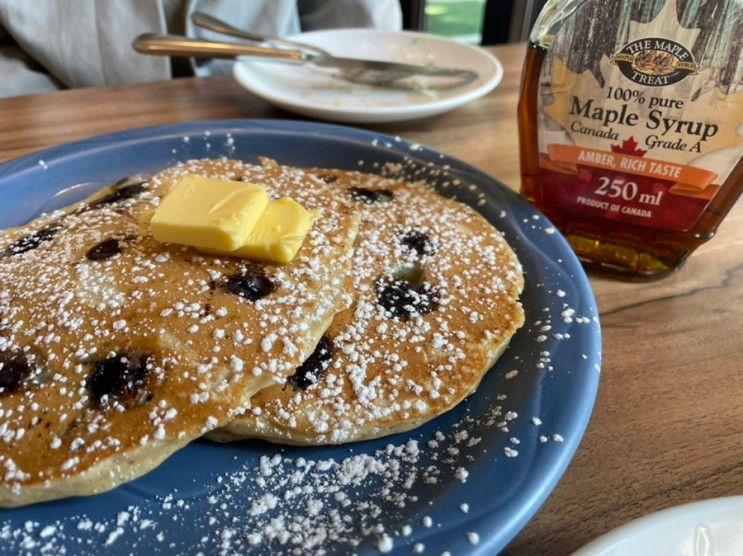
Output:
[[629, 146], [584, 175]]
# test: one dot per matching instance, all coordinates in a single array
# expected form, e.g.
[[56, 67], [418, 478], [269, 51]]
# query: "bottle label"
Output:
[[641, 121]]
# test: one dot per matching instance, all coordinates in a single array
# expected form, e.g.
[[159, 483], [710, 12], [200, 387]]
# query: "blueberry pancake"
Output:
[[436, 301], [116, 350]]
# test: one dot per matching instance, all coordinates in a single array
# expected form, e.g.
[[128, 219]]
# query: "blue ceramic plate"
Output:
[[476, 474]]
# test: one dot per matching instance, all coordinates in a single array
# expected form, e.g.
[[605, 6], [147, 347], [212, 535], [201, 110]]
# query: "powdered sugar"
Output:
[[381, 487], [295, 505]]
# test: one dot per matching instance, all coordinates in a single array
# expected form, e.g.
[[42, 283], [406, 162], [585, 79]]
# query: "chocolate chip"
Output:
[[370, 196], [250, 283], [32, 240], [104, 250], [314, 366], [121, 378], [418, 241], [14, 370], [402, 299], [121, 192]]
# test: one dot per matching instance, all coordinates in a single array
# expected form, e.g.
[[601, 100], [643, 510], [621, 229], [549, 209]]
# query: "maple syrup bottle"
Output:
[[631, 127]]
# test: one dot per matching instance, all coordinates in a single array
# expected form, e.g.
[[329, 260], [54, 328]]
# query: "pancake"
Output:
[[436, 301], [117, 350]]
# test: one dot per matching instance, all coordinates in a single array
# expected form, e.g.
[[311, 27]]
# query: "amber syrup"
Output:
[[629, 251]]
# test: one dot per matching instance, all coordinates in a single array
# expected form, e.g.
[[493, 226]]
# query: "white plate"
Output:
[[708, 528], [311, 92]]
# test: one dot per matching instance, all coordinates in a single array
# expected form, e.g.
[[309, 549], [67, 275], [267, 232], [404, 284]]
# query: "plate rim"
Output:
[[642, 525], [540, 487]]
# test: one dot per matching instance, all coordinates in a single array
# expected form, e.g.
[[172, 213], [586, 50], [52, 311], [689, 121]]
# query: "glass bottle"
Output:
[[631, 127]]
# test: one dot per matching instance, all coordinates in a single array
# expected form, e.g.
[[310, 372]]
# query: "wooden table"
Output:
[[668, 422]]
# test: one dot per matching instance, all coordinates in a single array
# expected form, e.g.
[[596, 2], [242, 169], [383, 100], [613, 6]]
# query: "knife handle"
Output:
[[173, 45]]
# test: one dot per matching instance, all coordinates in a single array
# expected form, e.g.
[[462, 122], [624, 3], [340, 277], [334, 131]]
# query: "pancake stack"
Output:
[[116, 350]]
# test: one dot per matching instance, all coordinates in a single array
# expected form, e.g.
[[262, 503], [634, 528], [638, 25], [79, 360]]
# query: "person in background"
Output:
[[46, 45]]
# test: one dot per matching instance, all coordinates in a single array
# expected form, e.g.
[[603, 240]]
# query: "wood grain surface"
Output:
[[668, 423]]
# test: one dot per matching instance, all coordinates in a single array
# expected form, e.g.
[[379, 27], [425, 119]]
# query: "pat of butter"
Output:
[[278, 234], [209, 213], [143, 222]]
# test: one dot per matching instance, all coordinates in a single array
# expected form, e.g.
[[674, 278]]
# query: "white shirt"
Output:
[[82, 43]]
